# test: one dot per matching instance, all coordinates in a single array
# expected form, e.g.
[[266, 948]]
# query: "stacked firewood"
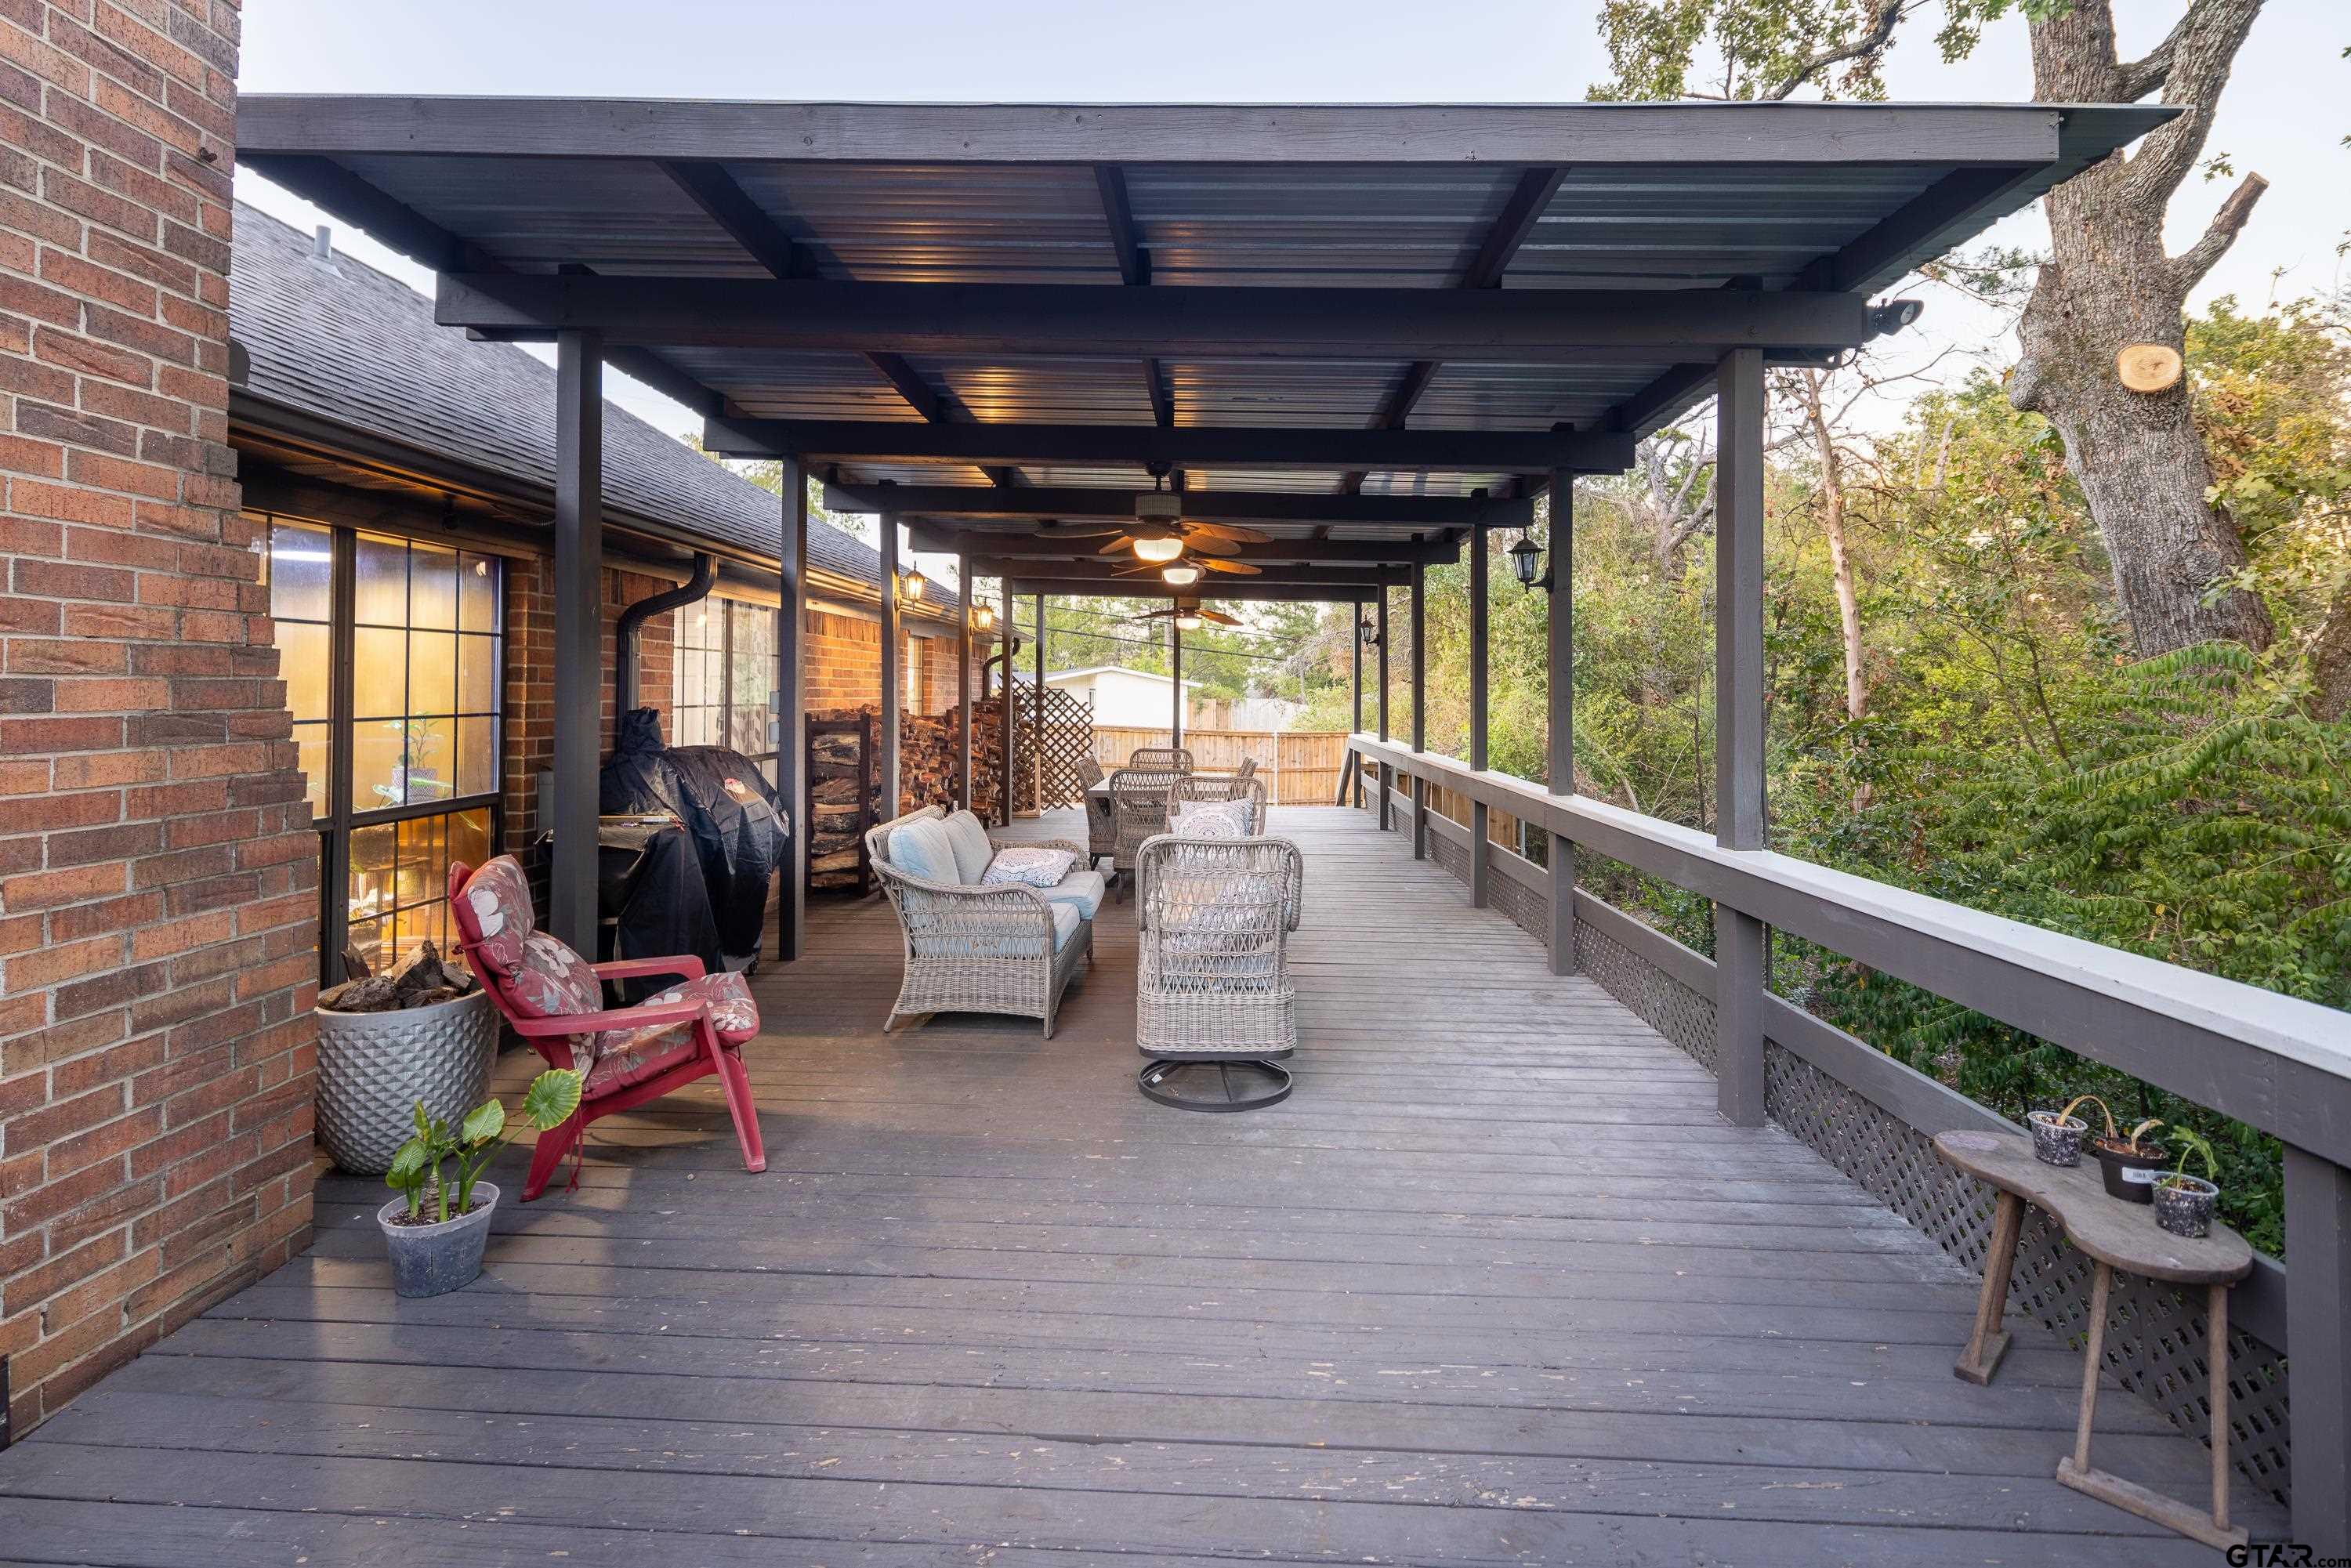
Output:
[[421, 980], [929, 751]]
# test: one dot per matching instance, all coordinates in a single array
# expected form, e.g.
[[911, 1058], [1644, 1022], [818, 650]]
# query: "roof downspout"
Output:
[[632, 620]]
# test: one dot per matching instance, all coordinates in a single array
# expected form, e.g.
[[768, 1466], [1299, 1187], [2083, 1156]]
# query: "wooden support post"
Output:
[[579, 635], [791, 709], [1355, 725], [2318, 1338], [1741, 942], [893, 679], [1004, 713], [1388, 770], [1561, 762], [963, 682], [1419, 614], [1480, 617], [1176, 668], [1037, 704]]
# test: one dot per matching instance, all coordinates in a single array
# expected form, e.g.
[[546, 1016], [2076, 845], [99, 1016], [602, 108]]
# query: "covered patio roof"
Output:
[[1402, 301]]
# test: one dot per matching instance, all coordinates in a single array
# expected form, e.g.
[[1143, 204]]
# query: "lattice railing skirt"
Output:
[[2156, 1340]]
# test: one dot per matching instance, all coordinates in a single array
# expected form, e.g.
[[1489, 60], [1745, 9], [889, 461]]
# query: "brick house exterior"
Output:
[[160, 873], [157, 868]]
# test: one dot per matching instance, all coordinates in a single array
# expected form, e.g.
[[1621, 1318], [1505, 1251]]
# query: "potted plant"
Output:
[[2131, 1166], [435, 1234], [2057, 1134], [2183, 1203]]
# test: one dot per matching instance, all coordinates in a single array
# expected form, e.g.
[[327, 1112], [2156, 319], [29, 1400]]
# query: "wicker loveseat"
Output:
[[973, 945], [1213, 917]]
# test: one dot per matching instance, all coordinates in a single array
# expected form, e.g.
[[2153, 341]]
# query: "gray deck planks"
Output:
[[1495, 1285]]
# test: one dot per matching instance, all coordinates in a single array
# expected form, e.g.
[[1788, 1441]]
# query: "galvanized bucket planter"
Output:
[[374, 1067], [433, 1260]]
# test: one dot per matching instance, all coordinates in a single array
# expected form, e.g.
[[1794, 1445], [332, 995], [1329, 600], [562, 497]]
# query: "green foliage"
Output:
[[1767, 48], [551, 1100]]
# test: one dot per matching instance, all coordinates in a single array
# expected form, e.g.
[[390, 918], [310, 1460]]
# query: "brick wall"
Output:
[[157, 869]]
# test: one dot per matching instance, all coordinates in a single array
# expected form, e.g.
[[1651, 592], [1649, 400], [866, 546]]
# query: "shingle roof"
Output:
[[347, 343]]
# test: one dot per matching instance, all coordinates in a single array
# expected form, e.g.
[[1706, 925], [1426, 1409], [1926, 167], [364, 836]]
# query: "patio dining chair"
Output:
[[554, 999], [1173, 759], [1138, 810]]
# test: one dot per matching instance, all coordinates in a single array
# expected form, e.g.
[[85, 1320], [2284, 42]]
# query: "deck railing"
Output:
[[2274, 1063]]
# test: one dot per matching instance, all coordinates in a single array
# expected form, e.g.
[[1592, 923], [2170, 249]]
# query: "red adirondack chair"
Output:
[[554, 999]]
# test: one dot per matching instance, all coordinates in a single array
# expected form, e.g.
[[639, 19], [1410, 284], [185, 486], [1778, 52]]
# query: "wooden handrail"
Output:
[[2275, 1062]]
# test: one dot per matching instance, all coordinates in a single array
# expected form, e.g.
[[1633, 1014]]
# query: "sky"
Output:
[[2285, 113]]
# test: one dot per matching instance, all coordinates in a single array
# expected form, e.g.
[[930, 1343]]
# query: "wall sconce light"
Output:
[[983, 617], [1367, 633], [1527, 560], [913, 584], [1181, 574]]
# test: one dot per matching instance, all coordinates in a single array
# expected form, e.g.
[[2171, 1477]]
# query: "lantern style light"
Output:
[[1526, 559], [983, 617], [1367, 633], [1180, 574], [912, 583]]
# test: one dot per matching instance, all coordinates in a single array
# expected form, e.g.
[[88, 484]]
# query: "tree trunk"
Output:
[[2330, 662], [2137, 457], [1856, 686]]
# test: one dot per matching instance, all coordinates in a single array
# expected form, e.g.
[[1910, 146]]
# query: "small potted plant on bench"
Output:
[[2131, 1166], [2183, 1203], [435, 1233], [2057, 1134]]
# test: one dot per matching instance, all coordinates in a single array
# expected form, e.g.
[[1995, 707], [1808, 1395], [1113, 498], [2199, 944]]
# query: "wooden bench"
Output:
[[2114, 1235]]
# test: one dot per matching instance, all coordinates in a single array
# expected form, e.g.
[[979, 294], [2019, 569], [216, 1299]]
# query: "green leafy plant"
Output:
[[2192, 1143], [548, 1104]]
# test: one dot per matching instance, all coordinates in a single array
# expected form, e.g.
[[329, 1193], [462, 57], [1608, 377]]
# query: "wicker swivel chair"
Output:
[[1138, 810], [1210, 787], [1247, 768], [1170, 759], [1215, 1012]]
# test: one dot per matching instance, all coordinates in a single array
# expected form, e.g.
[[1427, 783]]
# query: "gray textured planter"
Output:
[[433, 1260], [374, 1067]]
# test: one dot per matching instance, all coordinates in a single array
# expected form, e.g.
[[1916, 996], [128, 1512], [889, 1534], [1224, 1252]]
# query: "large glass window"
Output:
[[392, 653], [724, 653]]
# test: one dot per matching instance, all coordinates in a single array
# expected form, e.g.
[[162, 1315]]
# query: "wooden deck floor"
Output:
[[1495, 1286]]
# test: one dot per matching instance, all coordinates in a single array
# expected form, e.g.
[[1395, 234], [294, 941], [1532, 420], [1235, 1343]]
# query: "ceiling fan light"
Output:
[[1187, 622], [1180, 574], [1158, 550]]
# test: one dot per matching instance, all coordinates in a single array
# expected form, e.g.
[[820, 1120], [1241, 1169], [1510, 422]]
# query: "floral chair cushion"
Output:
[[494, 913], [539, 974], [626, 1056]]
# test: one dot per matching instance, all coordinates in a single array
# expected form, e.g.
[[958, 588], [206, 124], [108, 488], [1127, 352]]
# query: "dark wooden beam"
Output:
[[1929, 225], [1196, 446], [1663, 399], [909, 385], [1546, 326], [746, 221], [1237, 590], [1126, 243], [1201, 505], [998, 546], [1443, 135], [1513, 226], [1353, 578]]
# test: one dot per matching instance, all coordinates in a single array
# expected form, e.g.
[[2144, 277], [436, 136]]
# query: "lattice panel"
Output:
[[1046, 763], [1530, 911], [1453, 857], [1655, 998], [2157, 1340]]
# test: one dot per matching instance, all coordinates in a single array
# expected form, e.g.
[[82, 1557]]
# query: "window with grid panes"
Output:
[[725, 677]]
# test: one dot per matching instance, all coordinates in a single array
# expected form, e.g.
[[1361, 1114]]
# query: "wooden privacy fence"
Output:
[[1301, 768]]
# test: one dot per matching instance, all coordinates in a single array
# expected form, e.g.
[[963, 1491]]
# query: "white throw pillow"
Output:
[[1030, 867], [1212, 819]]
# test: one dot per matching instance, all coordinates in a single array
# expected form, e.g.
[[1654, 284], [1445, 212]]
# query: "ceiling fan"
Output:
[[1159, 536], [1188, 614]]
